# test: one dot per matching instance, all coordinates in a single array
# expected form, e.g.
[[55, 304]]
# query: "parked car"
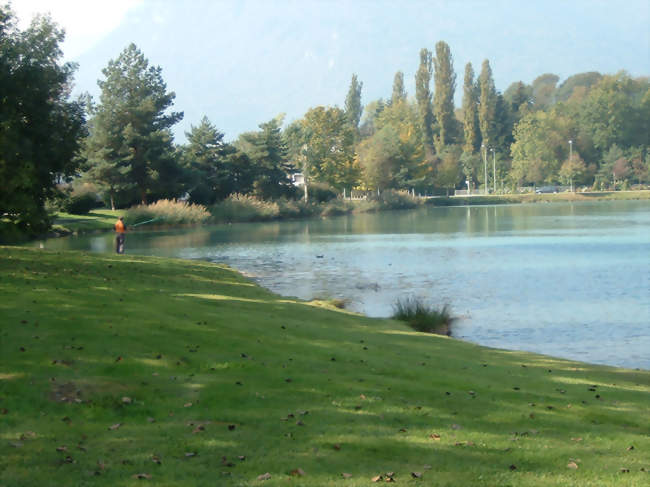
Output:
[[546, 189]]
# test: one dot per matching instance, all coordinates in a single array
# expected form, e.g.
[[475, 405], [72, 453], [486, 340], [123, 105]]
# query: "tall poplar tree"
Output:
[[399, 93], [470, 112], [487, 107], [423, 97], [443, 98], [130, 134], [353, 107]]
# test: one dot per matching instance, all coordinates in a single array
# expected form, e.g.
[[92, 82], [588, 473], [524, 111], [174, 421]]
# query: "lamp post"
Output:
[[494, 170], [483, 146], [570, 164]]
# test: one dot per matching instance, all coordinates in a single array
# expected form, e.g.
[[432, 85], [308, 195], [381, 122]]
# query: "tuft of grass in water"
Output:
[[423, 317], [118, 367]]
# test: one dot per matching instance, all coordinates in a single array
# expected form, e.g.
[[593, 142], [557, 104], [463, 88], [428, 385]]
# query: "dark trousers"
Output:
[[119, 243]]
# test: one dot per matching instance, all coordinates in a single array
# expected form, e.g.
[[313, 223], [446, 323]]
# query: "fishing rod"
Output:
[[147, 221]]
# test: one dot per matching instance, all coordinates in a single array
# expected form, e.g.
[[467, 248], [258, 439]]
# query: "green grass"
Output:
[[195, 363], [423, 317], [96, 220], [538, 198]]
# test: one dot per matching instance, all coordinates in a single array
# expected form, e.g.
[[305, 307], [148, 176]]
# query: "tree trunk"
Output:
[[112, 201]]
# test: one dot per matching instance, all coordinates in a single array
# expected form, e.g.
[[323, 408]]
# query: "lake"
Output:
[[564, 279]]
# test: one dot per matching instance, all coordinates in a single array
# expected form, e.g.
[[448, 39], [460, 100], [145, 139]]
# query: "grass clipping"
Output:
[[423, 317]]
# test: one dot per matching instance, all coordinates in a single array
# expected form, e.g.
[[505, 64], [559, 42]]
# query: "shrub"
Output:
[[244, 208], [422, 317], [80, 204], [336, 207], [397, 200], [169, 212], [321, 192], [296, 209]]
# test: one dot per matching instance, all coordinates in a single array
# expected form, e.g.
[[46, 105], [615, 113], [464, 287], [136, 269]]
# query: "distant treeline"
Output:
[[591, 129]]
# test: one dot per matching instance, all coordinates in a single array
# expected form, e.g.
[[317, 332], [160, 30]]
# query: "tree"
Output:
[[399, 93], [443, 98], [544, 90], [267, 150], [40, 129], [215, 169], [130, 133], [449, 171], [470, 112], [329, 147], [423, 97], [353, 106], [572, 169], [573, 83], [487, 107]]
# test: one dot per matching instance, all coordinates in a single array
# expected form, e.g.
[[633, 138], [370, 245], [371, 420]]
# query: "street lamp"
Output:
[[485, 166], [494, 170]]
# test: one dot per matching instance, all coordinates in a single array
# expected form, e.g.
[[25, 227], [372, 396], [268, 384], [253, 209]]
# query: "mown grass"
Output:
[[496, 199], [113, 366], [96, 220]]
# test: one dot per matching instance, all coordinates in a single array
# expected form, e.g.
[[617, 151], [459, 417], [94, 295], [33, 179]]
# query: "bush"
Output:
[[169, 212], [80, 204], [244, 208], [336, 207], [296, 209], [422, 317], [397, 200], [321, 192]]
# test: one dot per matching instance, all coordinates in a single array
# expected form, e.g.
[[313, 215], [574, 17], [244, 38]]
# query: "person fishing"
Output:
[[120, 229]]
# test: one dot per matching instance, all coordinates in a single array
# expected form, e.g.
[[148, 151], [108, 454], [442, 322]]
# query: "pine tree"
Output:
[[131, 129], [443, 98], [470, 112]]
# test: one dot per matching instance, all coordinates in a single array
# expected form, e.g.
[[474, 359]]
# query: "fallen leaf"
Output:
[[630, 448], [416, 475], [346, 475], [624, 470], [141, 476], [115, 426], [377, 478], [513, 467], [427, 467], [61, 448], [190, 454], [337, 447], [241, 457], [298, 472], [231, 427], [155, 459], [456, 427], [151, 420], [402, 430], [127, 400], [264, 476], [576, 439], [434, 436], [198, 429], [187, 405], [572, 465]]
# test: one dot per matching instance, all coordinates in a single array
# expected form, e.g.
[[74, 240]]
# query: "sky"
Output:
[[243, 62]]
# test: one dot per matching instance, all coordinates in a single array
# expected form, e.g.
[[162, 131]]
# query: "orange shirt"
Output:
[[119, 226]]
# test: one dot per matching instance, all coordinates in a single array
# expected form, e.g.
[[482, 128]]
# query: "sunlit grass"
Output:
[[113, 366]]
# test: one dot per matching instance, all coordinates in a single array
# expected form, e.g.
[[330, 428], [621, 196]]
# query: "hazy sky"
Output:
[[243, 62]]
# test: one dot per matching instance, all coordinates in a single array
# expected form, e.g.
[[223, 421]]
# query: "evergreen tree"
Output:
[[443, 98], [487, 107], [353, 107], [40, 129], [423, 97], [399, 93], [267, 150], [470, 112], [130, 136]]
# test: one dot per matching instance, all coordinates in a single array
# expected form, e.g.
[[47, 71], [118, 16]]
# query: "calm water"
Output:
[[570, 280]]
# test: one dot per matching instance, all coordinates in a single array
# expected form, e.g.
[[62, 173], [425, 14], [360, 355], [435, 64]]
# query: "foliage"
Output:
[[397, 200], [80, 203], [544, 90], [353, 107], [244, 208], [399, 92], [443, 97], [423, 97], [321, 192], [423, 317], [168, 212], [470, 112], [268, 153], [39, 127], [487, 105], [215, 169], [130, 142]]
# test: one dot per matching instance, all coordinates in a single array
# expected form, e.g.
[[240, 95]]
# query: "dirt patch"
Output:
[[68, 392]]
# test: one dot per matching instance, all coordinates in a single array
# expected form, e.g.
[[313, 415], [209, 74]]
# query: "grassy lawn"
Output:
[[538, 198], [100, 219], [184, 373]]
